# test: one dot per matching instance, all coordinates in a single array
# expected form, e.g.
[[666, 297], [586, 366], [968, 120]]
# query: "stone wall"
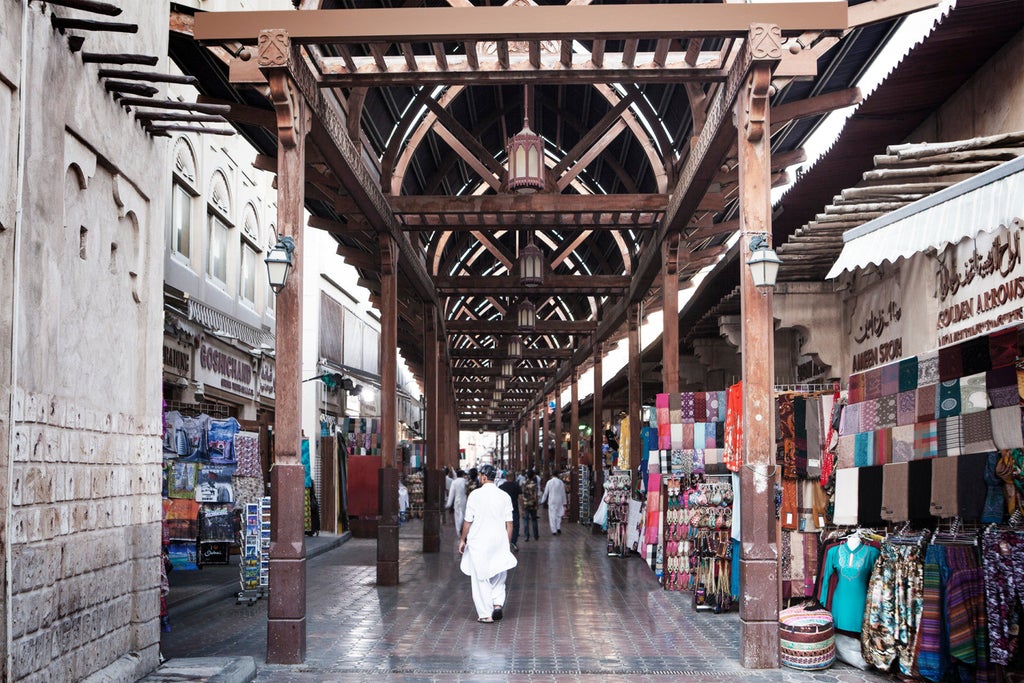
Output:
[[82, 310]]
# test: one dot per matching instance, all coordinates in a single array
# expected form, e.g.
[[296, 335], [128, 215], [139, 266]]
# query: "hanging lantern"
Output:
[[499, 384], [515, 347], [525, 157], [508, 367], [526, 315], [531, 265], [497, 395]]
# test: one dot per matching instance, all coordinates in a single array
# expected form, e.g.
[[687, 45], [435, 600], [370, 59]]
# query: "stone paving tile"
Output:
[[572, 614]]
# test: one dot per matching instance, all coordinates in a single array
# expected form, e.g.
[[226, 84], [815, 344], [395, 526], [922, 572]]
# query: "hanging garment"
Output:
[[971, 488], [1003, 565], [932, 635], [927, 368], [965, 612], [734, 428], [847, 483], [908, 374], [846, 600], [920, 498], [944, 472], [895, 482], [869, 496], [894, 608]]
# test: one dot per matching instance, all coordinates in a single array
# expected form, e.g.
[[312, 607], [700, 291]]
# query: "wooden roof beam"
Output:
[[598, 285], [543, 23]]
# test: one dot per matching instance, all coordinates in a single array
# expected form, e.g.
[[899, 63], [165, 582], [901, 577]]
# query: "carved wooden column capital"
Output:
[[274, 57]]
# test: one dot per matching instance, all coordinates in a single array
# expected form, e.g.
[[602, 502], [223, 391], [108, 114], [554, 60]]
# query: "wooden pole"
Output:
[[556, 418], [598, 424], [670, 298], [635, 380], [286, 609], [387, 527], [759, 559], [574, 447], [433, 478]]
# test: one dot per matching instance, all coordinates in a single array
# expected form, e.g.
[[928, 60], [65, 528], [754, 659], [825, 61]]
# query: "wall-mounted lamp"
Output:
[[763, 262], [279, 263]]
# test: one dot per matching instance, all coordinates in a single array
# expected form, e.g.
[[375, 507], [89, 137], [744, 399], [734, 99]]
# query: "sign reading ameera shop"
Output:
[[980, 285], [224, 368], [876, 327]]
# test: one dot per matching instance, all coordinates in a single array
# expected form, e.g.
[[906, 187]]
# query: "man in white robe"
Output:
[[457, 499], [554, 496], [486, 554]]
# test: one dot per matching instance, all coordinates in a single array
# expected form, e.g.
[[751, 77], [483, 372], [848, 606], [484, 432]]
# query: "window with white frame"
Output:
[[217, 261], [183, 193], [218, 229], [249, 255]]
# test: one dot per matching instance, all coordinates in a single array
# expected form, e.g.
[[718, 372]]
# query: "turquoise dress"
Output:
[[854, 569]]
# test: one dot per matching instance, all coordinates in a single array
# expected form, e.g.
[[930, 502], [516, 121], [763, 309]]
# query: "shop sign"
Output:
[[224, 368], [876, 334], [980, 285], [177, 357], [266, 379]]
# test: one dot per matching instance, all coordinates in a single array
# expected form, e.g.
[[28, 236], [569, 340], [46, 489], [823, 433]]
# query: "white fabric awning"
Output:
[[979, 204]]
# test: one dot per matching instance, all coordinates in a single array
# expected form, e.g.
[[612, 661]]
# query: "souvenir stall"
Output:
[[930, 453], [692, 493]]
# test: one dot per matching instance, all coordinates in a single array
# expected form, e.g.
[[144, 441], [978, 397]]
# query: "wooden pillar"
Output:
[[635, 386], [556, 418], [433, 478], [387, 527], [286, 610], [544, 436], [574, 447], [759, 563], [670, 297], [598, 425]]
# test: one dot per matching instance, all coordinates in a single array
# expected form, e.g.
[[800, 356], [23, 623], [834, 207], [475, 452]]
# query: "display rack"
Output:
[[254, 565], [414, 482], [585, 505], [617, 491]]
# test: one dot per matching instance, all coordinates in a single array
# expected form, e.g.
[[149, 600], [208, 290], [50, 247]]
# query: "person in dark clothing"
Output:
[[530, 490], [510, 487]]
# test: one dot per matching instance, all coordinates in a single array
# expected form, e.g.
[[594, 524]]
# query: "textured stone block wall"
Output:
[[80, 338]]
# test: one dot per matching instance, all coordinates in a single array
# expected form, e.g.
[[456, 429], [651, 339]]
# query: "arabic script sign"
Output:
[[980, 285], [876, 328]]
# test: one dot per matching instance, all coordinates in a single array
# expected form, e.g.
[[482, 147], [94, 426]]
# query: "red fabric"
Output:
[[733, 456]]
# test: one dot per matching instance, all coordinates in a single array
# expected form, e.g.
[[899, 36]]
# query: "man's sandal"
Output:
[[485, 620]]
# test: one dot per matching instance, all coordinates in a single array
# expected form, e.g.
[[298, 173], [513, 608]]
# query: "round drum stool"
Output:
[[807, 639]]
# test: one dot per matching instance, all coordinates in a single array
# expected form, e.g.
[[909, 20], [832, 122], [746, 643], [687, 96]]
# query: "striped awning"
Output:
[[982, 203], [216, 321]]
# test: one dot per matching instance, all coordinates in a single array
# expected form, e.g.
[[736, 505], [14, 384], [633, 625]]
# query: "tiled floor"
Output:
[[572, 614]]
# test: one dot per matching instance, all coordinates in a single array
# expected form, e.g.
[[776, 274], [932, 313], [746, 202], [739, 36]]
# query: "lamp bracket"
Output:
[[287, 243], [759, 241]]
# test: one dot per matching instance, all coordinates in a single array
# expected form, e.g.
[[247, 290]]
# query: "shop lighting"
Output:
[[763, 263], [526, 315], [279, 263], [515, 347], [531, 265]]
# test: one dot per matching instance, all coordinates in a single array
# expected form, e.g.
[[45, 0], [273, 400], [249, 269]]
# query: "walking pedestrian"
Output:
[[456, 499], [510, 487], [486, 555], [530, 498], [554, 496]]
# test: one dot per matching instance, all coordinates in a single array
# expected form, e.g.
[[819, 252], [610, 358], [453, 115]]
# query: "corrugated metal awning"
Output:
[[216, 321], [979, 204]]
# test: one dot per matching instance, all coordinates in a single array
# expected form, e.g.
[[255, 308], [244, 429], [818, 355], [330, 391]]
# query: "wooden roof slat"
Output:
[[661, 51], [378, 50], [472, 59], [505, 67], [629, 52], [440, 56], [409, 55], [597, 53]]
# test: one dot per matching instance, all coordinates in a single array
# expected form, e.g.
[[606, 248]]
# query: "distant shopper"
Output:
[[530, 497], [510, 487], [554, 496], [484, 544], [456, 499]]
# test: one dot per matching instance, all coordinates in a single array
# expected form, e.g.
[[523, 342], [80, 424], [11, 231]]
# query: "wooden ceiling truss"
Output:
[[459, 253]]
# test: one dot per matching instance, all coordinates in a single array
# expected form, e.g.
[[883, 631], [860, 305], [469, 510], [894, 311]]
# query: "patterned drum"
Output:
[[807, 639]]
